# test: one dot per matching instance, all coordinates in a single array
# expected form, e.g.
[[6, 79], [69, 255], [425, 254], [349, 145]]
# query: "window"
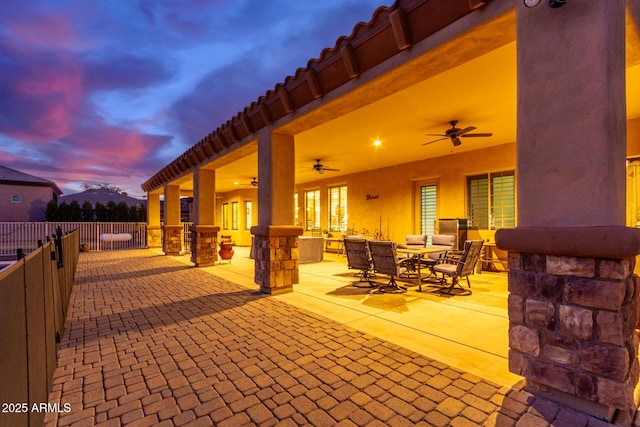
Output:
[[234, 215], [491, 200], [312, 208], [633, 192], [225, 216], [428, 212], [248, 214], [16, 198], [478, 201], [338, 208]]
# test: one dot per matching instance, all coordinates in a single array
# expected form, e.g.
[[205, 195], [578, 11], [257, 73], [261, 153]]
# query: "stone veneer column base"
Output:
[[573, 310], [276, 257], [204, 246], [154, 236], [172, 242]]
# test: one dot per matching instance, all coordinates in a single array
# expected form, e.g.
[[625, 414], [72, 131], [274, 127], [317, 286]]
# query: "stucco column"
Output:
[[573, 294], [154, 228], [204, 233], [276, 237], [172, 241]]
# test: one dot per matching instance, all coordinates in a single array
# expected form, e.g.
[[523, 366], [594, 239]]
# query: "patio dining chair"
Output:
[[384, 257], [358, 257], [413, 241], [447, 243], [462, 265]]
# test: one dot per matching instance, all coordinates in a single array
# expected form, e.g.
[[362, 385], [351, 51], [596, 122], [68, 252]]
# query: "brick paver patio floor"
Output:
[[150, 341]]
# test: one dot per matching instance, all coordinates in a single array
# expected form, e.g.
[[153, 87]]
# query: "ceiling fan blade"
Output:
[[331, 169], [477, 135], [465, 130], [435, 134], [435, 140], [456, 141]]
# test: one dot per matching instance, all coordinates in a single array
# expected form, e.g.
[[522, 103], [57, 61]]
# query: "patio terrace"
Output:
[[150, 340], [467, 332]]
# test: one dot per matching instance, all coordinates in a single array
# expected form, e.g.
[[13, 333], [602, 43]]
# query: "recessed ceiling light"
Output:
[[377, 143]]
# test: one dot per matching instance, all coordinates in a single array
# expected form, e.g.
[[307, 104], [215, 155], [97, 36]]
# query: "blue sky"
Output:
[[113, 90]]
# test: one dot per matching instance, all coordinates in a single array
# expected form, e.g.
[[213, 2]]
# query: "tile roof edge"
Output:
[[380, 14]]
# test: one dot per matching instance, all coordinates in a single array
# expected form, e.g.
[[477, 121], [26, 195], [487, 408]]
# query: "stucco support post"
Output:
[[573, 295], [204, 234], [275, 238], [154, 228], [172, 230]]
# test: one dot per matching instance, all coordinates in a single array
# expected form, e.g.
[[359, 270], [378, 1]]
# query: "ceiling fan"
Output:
[[320, 168], [253, 183], [455, 133]]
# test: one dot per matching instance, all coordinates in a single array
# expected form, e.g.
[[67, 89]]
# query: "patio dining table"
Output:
[[420, 252]]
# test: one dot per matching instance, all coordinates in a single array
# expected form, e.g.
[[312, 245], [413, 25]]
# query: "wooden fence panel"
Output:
[[50, 306], [64, 266], [59, 309], [13, 351], [34, 295], [36, 335]]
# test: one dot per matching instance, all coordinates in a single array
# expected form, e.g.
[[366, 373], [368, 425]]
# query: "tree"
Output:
[[75, 212], [111, 211], [122, 212], [134, 213], [64, 211], [101, 212], [87, 211], [51, 213]]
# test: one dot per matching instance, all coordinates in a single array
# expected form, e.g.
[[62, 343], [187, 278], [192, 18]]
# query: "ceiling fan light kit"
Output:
[[320, 168], [455, 133]]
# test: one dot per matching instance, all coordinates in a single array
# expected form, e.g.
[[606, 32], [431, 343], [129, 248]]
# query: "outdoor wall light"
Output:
[[552, 3]]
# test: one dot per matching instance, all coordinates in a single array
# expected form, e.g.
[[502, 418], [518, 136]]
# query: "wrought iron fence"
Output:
[[98, 236], [186, 237]]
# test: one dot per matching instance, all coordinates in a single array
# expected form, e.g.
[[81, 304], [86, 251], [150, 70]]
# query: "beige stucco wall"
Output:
[[32, 207], [395, 208], [394, 211]]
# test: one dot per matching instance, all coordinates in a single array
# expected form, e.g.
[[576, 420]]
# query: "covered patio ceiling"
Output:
[[450, 82]]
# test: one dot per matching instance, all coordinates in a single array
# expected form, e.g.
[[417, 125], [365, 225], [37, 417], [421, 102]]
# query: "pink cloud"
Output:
[[41, 97], [121, 146], [50, 30], [112, 150]]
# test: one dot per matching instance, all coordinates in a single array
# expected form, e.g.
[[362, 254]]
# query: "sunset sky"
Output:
[[113, 90]]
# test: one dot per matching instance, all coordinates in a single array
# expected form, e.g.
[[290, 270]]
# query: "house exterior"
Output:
[[24, 197], [555, 186]]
